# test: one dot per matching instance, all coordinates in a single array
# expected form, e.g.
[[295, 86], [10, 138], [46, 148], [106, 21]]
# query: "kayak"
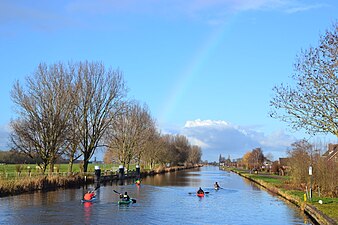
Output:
[[126, 202], [200, 194], [90, 200]]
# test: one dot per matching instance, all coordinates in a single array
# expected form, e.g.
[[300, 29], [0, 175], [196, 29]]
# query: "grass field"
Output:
[[9, 171]]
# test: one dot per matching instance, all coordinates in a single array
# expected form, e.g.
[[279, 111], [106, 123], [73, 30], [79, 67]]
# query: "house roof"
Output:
[[332, 151]]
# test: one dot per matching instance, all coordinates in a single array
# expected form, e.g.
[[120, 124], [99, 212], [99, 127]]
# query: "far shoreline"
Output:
[[313, 212]]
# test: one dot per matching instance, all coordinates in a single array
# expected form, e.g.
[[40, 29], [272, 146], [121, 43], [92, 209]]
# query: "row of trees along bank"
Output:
[[323, 180], [71, 110]]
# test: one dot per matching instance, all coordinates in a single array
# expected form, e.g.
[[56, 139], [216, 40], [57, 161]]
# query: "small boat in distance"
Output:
[[216, 186]]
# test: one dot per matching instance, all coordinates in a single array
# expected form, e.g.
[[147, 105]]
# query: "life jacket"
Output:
[[88, 196]]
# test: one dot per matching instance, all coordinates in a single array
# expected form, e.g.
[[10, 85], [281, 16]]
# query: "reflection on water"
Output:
[[87, 211], [252, 184], [162, 199], [178, 178]]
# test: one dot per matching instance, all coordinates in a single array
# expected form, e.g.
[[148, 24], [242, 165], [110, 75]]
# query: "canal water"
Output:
[[163, 199]]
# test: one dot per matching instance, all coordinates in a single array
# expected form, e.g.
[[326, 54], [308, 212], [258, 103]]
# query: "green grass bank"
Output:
[[325, 213]]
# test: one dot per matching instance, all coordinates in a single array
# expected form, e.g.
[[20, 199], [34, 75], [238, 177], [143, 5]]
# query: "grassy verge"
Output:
[[14, 171], [279, 184]]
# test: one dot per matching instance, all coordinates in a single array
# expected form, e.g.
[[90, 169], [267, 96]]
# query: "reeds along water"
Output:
[[29, 184]]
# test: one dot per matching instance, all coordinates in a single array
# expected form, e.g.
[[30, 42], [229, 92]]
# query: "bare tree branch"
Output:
[[312, 102]]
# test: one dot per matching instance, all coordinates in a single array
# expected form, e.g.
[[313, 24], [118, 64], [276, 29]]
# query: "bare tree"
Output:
[[72, 151], [325, 176], [100, 96], [182, 146], [299, 161], [246, 160], [170, 153], [311, 103], [176, 149], [43, 109], [257, 157], [148, 136], [154, 149], [195, 155], [147, 130], [130, 132]]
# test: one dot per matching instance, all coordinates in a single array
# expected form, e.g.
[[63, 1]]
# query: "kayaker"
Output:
[[126, 197], [200, 191], [89, 195], [216, 186]]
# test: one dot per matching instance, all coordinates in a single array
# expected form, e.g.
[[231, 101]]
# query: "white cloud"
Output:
[[304, 7], [217, 137], [206, 123], [195, 141]]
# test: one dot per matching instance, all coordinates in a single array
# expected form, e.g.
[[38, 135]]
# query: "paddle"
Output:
[[117, 192], [96, 189], [133, 200], [206, 192]]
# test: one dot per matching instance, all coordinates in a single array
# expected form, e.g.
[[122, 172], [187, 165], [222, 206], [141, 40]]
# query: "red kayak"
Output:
[[200, 194]]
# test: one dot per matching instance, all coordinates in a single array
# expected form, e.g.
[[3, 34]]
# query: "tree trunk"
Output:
[[51, 168], [85, 165], [70, 165]]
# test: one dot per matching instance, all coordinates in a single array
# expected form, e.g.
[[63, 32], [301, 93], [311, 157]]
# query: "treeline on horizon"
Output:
[[67, 111]]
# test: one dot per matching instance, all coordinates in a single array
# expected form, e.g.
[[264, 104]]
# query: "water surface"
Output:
[[163, 199]]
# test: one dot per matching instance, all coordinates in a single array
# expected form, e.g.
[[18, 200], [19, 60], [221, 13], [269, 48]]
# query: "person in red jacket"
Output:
[[89, 195]]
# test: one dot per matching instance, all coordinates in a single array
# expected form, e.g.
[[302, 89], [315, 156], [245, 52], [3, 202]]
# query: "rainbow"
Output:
[[191, 72]]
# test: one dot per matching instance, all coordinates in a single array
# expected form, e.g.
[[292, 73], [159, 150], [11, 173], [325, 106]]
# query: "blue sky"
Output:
[[205, 68]]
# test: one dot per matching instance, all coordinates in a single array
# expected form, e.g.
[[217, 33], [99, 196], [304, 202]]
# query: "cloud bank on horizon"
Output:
[[217, 137]]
